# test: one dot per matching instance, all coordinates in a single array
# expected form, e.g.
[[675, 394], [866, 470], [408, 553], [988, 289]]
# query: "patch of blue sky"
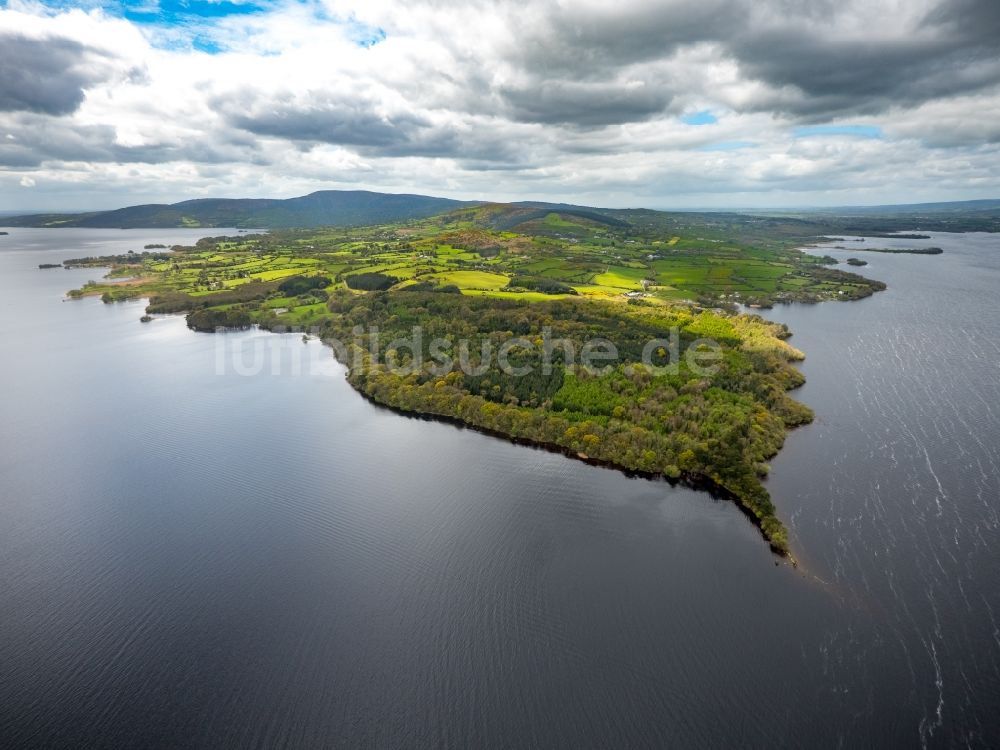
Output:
[[180, 11], [179, 24], [856, 131], [206, 44], [363, 35], [168, 12], [699, 118]]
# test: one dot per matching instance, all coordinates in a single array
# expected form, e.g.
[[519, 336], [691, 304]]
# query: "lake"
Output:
[[210, 540]]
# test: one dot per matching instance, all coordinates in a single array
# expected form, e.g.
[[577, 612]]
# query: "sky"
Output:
[[666, 104]]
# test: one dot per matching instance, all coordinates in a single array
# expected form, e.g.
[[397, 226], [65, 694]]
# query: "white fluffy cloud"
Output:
[[808, 102]]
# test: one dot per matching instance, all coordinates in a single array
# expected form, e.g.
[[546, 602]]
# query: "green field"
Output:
[[472, 279], [547, 256], [621, 277]]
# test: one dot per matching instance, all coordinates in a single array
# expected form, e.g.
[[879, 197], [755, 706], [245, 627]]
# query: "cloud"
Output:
[[346, 118], [33, 140], [47, 74], [27, 182], [818, 77], [816, 60], [586, 104], [589, 39], [654, 102], [356, 119]]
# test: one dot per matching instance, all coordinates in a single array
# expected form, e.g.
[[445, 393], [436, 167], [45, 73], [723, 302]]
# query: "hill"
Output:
[[356, 208], [323, 208], [535, 218]]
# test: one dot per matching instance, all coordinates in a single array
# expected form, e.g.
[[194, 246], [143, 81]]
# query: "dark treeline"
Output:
[[296, 285], [131, 258], [430, 286], [541, 284], [174, 302], [210, 320], [371, 281]]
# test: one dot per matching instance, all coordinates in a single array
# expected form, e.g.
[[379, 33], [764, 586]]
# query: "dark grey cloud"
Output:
[[955, 51], [587, 44], [531, 99], [972, 22], [48, 75], [585, 104], [30, 140], [327, 118], [812, 70], [354, 122]]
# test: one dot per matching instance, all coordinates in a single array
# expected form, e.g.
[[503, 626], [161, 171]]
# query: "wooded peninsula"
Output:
[[505, 298]]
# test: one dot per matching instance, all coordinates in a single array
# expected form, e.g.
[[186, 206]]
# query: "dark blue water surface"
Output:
[[209, 540]]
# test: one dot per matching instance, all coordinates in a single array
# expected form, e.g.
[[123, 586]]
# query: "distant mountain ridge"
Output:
[[987, 205], [322, 208], [363, 207]]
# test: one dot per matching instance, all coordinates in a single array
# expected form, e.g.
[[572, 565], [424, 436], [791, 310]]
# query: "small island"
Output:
[[856, 262], [903, 250], [50, 265], [896, 236]]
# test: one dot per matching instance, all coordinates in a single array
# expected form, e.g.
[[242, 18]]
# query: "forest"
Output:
[[718, 429]]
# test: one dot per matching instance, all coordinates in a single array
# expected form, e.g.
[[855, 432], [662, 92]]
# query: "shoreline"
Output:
[[707, 454], [692, 480]]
